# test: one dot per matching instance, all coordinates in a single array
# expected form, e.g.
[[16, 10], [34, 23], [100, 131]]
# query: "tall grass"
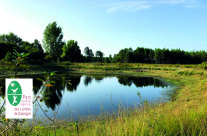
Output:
[[186, 115], [148, 120]]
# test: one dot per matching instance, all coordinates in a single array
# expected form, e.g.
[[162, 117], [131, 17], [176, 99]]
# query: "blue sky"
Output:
[[111, 25]]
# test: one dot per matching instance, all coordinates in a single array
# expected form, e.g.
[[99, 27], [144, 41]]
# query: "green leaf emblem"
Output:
[[14, 93]]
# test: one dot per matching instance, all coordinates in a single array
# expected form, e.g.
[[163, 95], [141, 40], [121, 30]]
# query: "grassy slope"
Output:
[[186, 115]]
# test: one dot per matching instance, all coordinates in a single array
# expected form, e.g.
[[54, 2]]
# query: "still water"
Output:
[[93, 94]]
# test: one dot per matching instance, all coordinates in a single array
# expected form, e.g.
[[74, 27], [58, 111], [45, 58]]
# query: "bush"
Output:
[[177, 65], [67, 63], [2, 62], [48, 58], [8, 56], [201, 73], [188, 66], [188, 73], [203, 65]]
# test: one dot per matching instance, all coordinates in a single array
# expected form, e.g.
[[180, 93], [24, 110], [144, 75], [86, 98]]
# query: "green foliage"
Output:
[[201, 73], [100, 55], [8, 56], [106, 60], [19, 57], [158, 55], [89, 54], [110, 58], [1, 91], [37, 44], [75, 125], [48, 57], [58, 60], [7, 47], [141, 54], [53, 46], [138, 93], [188, 73], [48, 78], [177, 65], [188, 66], [203, 65], [35, 50], [71, 52], [124, 56], [48, 81], [52, 41], [10, 38]]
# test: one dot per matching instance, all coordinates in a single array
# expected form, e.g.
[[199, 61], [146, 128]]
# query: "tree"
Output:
[[110, 58], [10, 38], [139, 55], [89, 54], [124, 56], [71, 52], [7, 47], [35, 50], [100, 55], [52, 41], [37, 44], [203, 55], [158, 55]]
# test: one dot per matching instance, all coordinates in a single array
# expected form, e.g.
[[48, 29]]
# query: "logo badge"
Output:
[[19, 98], [14, 93]]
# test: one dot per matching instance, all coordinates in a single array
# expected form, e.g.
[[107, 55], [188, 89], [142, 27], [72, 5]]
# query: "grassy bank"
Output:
[[186, 114]]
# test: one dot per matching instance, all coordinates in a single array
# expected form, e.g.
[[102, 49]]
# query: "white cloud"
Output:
[[140, 7], [126, 5], [171, 1], [147, 4], [191, 6]]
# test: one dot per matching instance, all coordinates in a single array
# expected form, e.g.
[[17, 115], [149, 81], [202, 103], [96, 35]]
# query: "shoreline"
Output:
[[188, 106]]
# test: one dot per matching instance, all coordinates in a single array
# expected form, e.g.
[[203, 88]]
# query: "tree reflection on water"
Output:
[[140, 81], [56, 92]]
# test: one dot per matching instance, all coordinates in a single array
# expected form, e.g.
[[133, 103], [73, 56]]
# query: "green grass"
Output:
[[185, 115]]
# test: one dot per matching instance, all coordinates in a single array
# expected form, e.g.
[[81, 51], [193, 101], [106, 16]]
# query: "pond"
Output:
[[95, 94]]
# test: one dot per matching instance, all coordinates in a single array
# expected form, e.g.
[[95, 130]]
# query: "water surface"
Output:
[[93, 94], [88, 95]]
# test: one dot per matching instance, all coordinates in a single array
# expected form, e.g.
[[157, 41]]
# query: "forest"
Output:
[[53, 48]]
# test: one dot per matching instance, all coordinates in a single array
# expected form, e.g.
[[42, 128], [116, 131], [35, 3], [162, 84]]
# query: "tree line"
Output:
[[53, 48], [160, 56]]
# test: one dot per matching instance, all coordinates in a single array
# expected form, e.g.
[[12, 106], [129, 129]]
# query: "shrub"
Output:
[[203, 65], [67, 63], [201, 73], [8, 56], [177, 65], [48, 58], [188, 73], [188, 66]]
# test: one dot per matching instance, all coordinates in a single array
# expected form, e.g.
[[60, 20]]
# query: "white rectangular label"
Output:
[[19, 98]]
